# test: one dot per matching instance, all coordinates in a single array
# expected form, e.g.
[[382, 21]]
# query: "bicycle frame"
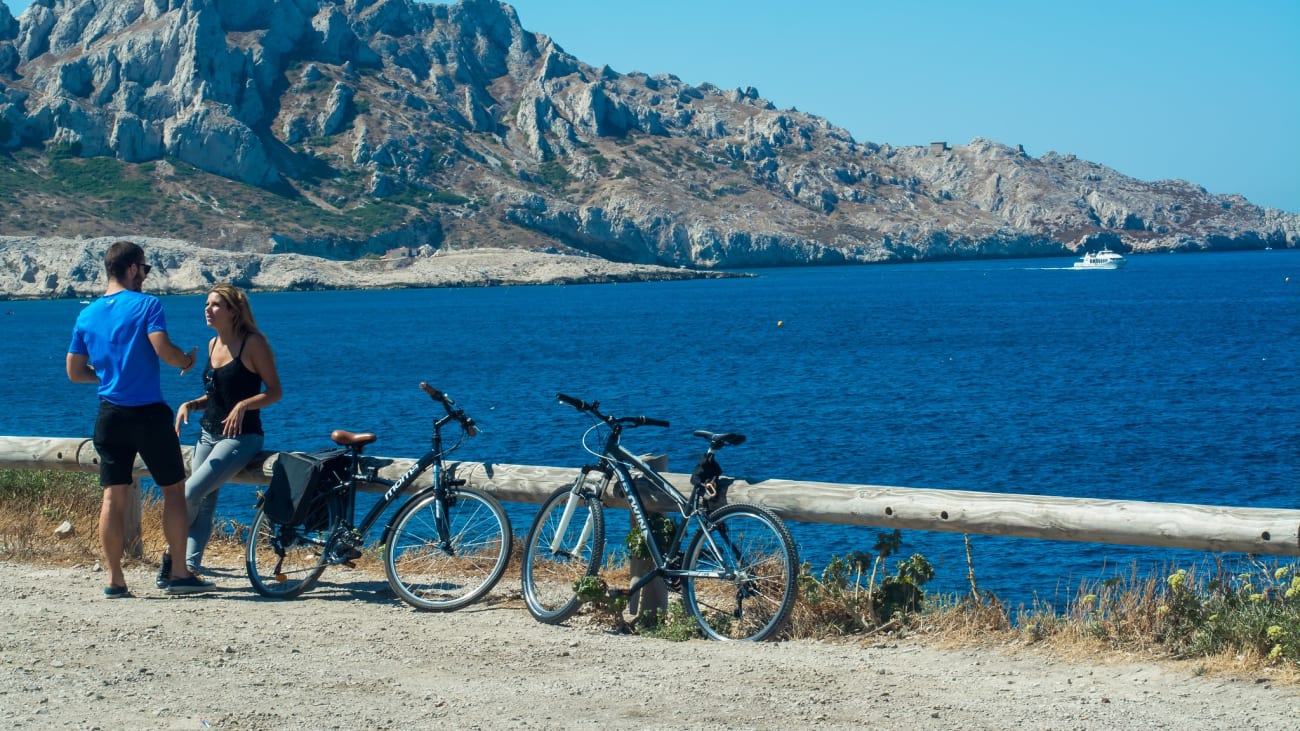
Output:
[[616, 461], [734, 564], [355, 534]]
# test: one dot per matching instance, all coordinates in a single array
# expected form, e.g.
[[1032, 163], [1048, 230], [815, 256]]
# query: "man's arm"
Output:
[[170, 354], [79, 370]]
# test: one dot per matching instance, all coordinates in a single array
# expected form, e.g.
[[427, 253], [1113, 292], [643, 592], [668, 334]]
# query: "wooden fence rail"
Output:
[[1128, 522]]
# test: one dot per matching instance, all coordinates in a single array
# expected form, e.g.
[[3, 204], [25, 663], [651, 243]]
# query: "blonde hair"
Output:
[[244, 323]]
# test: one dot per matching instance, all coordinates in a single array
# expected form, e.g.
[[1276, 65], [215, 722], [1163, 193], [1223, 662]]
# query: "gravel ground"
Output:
[[348, 655]]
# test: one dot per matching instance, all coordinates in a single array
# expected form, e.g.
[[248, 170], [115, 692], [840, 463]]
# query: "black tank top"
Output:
[[227, 386]]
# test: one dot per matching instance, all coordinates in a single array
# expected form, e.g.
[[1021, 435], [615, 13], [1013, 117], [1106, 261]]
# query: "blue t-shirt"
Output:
[[113, 331]]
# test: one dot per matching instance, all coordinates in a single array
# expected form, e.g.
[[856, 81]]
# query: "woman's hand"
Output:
[[183, 411], [234, 423], [182, 416]]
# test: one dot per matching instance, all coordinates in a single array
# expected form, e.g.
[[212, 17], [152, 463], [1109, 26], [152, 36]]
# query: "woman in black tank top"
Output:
[[239, 381]]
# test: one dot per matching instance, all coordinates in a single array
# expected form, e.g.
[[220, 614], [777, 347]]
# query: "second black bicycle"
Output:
[[735, 565]]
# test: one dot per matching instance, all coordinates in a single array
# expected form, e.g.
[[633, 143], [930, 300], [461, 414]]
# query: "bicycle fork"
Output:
[[579, 493], [444, 499]]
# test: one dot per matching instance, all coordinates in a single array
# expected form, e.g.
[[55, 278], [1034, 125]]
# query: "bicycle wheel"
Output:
[[565, 543], [430, 570], [754, 554], [283, 561]]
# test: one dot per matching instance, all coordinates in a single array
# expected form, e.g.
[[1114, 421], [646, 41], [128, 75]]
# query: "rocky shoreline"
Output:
[[50, 268]]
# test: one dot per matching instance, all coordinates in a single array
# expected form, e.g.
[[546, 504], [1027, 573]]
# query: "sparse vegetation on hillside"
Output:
[[58, 193], [396, 133]]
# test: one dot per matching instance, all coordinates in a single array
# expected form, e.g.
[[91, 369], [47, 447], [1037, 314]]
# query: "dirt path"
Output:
[[349, 656]]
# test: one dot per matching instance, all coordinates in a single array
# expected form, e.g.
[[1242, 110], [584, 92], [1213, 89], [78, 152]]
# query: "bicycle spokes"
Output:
[[743, 568]]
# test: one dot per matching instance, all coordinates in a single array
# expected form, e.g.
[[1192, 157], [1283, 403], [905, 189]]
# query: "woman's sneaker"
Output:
[[189, 585], [164, 572]]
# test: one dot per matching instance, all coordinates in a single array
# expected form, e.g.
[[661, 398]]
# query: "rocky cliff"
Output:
[[32, 268], [347, 128]]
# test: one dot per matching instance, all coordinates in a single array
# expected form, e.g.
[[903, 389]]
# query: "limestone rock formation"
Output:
[[32, 268], [348, 128]]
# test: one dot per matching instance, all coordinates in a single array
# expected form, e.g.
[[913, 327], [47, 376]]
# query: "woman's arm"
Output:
[[261, 360], [183, 411], [258, 358], [198, 404]]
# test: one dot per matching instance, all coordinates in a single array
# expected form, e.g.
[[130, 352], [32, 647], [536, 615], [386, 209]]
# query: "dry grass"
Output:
[[1141, 618], [34, 504], [32, 507]]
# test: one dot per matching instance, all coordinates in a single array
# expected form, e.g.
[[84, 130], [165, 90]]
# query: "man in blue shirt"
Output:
[[117, 343]]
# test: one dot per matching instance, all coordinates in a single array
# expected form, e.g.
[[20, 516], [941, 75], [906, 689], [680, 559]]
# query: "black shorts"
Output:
[[122, 432]]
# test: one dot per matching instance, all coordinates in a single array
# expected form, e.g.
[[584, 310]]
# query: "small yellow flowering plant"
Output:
[[1256, 611]]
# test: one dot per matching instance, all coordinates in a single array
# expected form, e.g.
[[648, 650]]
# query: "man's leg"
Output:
[[111, 536], [175, 524], [161, 451]]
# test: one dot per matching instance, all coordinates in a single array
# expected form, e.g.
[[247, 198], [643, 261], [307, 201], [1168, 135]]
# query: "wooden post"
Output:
[[652, 597]]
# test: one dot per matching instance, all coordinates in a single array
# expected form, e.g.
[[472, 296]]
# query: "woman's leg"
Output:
[[221, 460]]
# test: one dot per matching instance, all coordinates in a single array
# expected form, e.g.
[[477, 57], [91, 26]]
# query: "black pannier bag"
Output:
[[299, 481]]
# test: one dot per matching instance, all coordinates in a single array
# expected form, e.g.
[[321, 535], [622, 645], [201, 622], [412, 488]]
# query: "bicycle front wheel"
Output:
[[753, 556], [565, 543], [441, 569], [283, 561]]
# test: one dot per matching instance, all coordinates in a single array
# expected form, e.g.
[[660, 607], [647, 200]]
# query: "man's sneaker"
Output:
[[188, 585], [164, 572]]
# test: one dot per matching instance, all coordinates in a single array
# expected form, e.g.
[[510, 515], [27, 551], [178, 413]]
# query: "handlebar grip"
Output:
[[578, 404], [647, 421], [433, 392]]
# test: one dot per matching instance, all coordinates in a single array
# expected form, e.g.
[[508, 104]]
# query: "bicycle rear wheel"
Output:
[[752, 551], [441, 572], [565, 543], [283, 561]]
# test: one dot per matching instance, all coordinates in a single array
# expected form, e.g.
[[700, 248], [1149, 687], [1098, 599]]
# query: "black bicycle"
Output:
[[446, 547], [736, 572]]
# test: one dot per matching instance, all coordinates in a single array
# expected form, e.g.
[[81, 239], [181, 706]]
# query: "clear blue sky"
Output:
[[1207, 92]]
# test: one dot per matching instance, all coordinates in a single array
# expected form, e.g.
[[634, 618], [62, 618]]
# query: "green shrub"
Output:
[[554, 175], [1256, 611], [844, 604], [663, 528]]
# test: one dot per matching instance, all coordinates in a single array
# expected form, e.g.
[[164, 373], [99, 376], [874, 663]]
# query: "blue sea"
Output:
[[1174, 379]]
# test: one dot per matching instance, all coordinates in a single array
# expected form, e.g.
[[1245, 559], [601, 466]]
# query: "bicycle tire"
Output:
[[756, 604], [283, 561], [547, 575], [433, 577]]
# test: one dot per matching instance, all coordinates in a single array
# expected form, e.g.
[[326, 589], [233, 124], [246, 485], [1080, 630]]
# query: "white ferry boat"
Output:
[[1104, 259]]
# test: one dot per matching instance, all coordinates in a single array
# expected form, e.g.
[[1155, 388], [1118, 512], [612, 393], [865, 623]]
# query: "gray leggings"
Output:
[[216, 460]]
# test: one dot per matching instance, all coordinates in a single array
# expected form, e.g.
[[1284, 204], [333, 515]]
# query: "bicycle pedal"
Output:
[[348, 563]]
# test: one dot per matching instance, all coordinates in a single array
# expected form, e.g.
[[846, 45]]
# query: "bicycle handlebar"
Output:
[[578, 404], [594, 409], [466, 423]]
